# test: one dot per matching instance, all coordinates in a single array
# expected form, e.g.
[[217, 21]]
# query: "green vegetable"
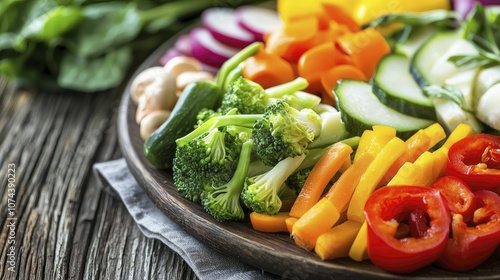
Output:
[[298, 178], [86, 45], [261, 193], [284, 132], [160, 147], [250, 98], [223, 201], [483, 30]]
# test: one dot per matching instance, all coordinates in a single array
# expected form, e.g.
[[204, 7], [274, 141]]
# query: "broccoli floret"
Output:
[[209, 159], [332, 127], [223, 201], [298, 178], [284, 132], [204, 115], [261, 193], [249, 97]]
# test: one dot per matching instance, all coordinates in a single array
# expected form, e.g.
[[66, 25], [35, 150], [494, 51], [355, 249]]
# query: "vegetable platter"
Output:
[[272, 252]]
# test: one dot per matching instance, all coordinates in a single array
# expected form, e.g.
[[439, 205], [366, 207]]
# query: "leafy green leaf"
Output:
[[53, 23], [438, 18], [106, 26], [88, 75], [447, 92]]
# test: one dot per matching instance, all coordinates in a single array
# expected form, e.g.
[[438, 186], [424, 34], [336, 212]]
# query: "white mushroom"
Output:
[[188, 77], [180, 64], [142, 80], [158, 95], [152, 122]]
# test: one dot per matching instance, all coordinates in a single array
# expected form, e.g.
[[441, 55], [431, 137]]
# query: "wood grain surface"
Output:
[[67, 227], [275, 253]]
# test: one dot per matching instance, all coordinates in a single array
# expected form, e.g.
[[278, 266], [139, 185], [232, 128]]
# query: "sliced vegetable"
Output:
[[476, 160], [267, 69], [386, 209], [223, 25], [395, 87], [269, 223], [488, 110], [457, 194], [208, 50], [361, 109], [336, 242], [365, 48], [258, 20], [472, 242], [330, 78], [320, 176]]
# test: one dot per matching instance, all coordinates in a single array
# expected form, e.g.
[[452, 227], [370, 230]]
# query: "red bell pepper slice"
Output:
[[457, 194], [386, 208], [476, 160], [473, 242]]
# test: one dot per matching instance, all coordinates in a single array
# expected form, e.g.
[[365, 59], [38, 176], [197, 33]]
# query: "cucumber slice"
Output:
[[428, 54], [361, 110], [418, 36], [395, 87]]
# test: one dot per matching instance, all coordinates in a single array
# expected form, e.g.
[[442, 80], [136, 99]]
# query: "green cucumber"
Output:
[[160, 147], [428, 54], [395, 87], [361, 110], [418, 36]]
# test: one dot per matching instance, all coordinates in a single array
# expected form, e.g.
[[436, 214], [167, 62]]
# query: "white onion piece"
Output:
[[208, 50], [258, 20], [222, 24]]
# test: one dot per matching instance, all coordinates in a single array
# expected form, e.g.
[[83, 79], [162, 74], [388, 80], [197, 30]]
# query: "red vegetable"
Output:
[[457, 194], [473, 242], [386, 208], [208, 50], [476, 160]]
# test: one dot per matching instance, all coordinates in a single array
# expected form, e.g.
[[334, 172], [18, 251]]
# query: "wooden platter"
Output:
[[275, 253]]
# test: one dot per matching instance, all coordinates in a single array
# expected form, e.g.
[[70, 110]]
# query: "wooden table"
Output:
[[64, 225]]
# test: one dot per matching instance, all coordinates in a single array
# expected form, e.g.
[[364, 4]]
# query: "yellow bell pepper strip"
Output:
[[337, 242], [461, 131], [372, 141], [370, 179], [367, 10], [359, 248], [436, 133]]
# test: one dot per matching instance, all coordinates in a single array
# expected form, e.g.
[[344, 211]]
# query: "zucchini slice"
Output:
[[395, 87], [361, 110]]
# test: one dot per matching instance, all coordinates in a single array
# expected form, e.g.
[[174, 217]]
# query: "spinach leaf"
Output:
[[84, 74]]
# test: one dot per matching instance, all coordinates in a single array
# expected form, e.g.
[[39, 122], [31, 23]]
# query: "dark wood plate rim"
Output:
[[274, 253]]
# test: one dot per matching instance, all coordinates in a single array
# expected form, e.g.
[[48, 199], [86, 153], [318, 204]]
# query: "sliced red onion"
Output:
[[222, 24], [208, 50], [258, 20]]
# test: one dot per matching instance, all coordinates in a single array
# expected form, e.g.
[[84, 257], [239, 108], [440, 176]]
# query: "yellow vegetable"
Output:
[[372, 141], [370, 179], [359, 248], [337, 242], [460, 132]]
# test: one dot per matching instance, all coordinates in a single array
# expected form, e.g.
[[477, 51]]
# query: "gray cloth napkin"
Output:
[[115, 178]]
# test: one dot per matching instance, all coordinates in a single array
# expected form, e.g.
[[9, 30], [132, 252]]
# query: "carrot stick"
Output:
[[339, 15], [337, 242], [316, 221], [320, 176], [267, 69], [269, 223], [330, 78], [366, 48]]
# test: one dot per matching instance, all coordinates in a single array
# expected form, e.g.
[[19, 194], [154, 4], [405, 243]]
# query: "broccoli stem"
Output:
[[287, 88], [227, 120], [224, 202], [315, 154], [234, 61]]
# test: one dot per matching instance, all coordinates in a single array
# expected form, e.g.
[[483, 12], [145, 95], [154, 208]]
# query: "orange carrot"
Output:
[[269, 223], [267, 69], [337, 242], [320, 176], [341, 192], [365, 48], [316, 61], [330, 78], [315, 221], [339, 15], [290, 221]]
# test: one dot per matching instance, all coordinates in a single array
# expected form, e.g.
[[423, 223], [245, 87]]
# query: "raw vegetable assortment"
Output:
[[354, 156]]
